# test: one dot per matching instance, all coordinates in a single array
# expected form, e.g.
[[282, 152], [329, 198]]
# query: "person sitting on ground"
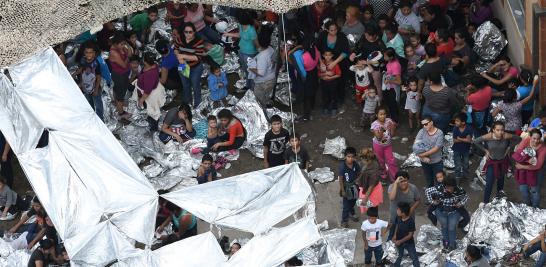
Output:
[[141, 23], [296, 153], [22, 225], [184, 225], [218, 83], [275, 143], [10, 202], [235, 134], [43, 255], [448, 197], [473, 256], [530, 248], [206, 171], [233, 249], [177, 125]]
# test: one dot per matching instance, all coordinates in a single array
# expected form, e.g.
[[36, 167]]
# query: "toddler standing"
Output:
[[362, 78], [412, 102]]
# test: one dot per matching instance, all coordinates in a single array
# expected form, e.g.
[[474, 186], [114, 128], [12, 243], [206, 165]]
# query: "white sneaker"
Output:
[[8, 217]]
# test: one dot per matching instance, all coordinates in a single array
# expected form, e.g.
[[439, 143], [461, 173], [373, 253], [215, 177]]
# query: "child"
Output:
[[412, 103], [297, 153], [349, 171], [329, 80], [90, 78], [403, 235], [371, 101], [440, 176], [217, 82], [362, 78], [415, 42], [413, 60], [275, 142], [383, 129], [206, 172], [372, 230], [462, 140]]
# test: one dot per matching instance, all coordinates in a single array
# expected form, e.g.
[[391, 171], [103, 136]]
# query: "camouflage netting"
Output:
[[27, 26]]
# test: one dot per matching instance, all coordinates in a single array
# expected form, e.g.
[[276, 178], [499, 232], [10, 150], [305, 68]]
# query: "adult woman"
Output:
[[9, 201], [177, 125], [176, 12], [335, 40], [195, 14], [184, 224], [506, 73], [392, 80], [479, 98], [440, 101], [496, 146], [367, 45], [524, 90], [248, 43], [316, 14], [307, 59], [235, 134], [428, 147], [462, 52], [119, 63], [151, 94], [189, 49], [512, 109], [528, 166]]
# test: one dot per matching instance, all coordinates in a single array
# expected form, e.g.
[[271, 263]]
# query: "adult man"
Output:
[[402, 191], [168, 75]]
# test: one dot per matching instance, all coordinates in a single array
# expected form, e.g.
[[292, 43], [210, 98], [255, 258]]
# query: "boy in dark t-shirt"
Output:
[[403, 235], [348, 172], [462, 139], [296, 153], [275, 142]]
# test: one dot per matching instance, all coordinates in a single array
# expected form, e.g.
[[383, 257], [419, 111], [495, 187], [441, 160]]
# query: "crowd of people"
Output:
[[393, 57]]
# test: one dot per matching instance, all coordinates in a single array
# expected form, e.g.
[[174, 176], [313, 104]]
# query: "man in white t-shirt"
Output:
[[372, 231]]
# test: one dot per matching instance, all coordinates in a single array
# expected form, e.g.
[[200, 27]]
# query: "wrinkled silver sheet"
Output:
[[428, 238], [231, 65], [83, 201], [321, 175], [335, 147], [447, 152], [505, 225], [479, 170], [282, 93], [412, 161], [488, 41], [199, 250], [343, 240], [500, 116], [255, 190]]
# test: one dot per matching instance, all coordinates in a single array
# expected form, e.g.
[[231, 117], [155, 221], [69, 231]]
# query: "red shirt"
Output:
[[481, 99], [445, 49], [336, 70], [235, 130]]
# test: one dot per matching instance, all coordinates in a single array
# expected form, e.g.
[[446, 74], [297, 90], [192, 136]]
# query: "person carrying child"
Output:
[[217, 83], [275, 143], [362, 71]]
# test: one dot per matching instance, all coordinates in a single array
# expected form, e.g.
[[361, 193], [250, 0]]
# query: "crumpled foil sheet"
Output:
[[343, 241], [314, 255], [479, 171], [335, 147], [428, 238], [12, 257], [500, 115], [282, 94], [505, 226], [322, 175], [488, 41], [286, 117], [412, 161], [231, 64], [447, 152], [529, 151]]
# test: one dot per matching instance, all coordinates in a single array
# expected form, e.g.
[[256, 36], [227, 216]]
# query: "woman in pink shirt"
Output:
[[479, 98], [391, 82], [196, 14], [506, 73], [529, 157]]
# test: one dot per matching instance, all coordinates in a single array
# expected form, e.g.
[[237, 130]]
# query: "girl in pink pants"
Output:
[[383, 129]]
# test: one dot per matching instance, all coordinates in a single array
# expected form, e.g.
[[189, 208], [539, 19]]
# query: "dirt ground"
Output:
[[329, 202]]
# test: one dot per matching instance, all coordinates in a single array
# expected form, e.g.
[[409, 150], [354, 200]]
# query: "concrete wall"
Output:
[[516, 42]]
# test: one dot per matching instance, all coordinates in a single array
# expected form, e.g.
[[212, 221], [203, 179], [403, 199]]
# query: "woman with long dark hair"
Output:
[[235, 134], [392, 79], [307, 59], [528, 166]]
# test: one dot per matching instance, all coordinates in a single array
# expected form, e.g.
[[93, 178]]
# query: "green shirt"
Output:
[[140, 22]]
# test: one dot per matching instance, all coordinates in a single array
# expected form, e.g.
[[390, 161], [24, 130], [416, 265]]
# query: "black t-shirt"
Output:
[[276, 144], [428, 68], [51, 233], [303, 157], [38, 255], [404, 228]]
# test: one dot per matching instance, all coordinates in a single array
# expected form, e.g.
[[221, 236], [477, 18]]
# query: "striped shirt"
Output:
[[193, 48], [441, 101]]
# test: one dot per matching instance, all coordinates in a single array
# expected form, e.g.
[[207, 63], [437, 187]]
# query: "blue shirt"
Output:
[[462, 147], [523, 92], [217, 93], [349, 174], [169, 61]]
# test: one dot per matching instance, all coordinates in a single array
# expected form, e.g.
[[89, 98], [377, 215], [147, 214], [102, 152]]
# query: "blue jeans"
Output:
[[376, 251], [410, 248], [532, 199], [194, 81], [461, 163], [489, 181], [479, 119], [449, 221], [348, 209], [209, 35], [96, 104], [441, 120], [430, 171], [243, 61], [534, 248]]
